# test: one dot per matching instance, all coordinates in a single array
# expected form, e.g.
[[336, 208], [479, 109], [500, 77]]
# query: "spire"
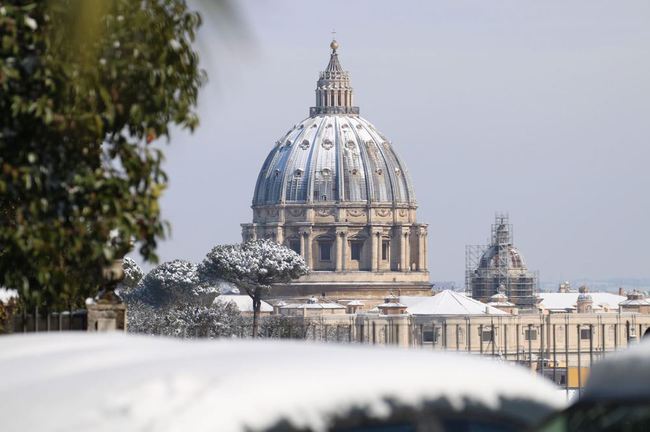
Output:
[[333, 90]]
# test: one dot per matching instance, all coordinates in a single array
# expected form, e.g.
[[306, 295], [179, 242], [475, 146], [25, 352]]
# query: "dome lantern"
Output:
[[333, 90]]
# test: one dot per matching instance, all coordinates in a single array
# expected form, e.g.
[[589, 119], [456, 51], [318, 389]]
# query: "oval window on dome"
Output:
[[350, 144], [354, 171], [314, 125], [298, 172], [304, 144], [359, 126], [326, 172], [277, 172], [327, 144], [329, 125], [289, 143], [398, 171], [379, 171]]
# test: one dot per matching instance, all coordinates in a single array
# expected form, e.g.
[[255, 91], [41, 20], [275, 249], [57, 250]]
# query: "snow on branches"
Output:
[[173, 282], [252, 265], [171, 301], [132, 275]]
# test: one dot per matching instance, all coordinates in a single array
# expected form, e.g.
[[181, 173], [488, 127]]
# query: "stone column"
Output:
[[279, 236], [425, 240], [344, 251], [339, 251], [407, 250], [308, 249], [373, 250], [402, 251], [379, 246], [405, 256], [302, 246], [422, 235]]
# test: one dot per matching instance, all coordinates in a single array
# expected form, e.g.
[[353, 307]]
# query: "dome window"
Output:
[[359, 126], [350, 144], [345, 126], [398, 171], [304, 144], [298, 173], [379, 171], [314, 125], [326, 172], [277, 172], [329, 125], [289, 143], [327, 144], [354, 171]]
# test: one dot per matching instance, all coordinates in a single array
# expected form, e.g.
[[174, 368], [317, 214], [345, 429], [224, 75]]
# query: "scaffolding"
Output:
[[499, 268]]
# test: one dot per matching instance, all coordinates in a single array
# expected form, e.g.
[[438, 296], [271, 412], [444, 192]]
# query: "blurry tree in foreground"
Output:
[[85, 87]]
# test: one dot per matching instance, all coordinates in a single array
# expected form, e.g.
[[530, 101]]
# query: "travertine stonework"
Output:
[[334, 190]]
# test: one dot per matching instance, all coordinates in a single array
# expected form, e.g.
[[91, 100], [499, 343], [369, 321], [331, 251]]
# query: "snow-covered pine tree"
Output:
[[132, 275], [253, 267]]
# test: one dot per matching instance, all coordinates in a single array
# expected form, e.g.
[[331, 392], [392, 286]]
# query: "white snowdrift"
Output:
[[109, 382], [621, 375]]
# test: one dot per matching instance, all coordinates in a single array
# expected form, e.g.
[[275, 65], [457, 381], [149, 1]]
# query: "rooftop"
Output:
[[448, 302]]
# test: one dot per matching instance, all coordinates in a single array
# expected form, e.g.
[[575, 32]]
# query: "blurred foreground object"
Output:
[[107, 311], [615, 399], [146, 383], [85, 87]]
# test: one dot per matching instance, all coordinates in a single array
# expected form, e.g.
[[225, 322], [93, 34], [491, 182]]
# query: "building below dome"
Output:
[[499, 269], [334, 190]]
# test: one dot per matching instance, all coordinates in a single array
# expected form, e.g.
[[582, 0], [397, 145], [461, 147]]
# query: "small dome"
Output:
[[499, 297], [491, 259]]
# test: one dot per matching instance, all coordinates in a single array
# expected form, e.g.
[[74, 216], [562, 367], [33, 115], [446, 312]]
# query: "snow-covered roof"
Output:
[[621, 376], [109, 382], [243, 302], [323, 305], [567, 301], [7, 294], [448, 302]]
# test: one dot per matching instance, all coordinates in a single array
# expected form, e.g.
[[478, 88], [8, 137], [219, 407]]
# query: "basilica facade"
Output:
[[334, 190]]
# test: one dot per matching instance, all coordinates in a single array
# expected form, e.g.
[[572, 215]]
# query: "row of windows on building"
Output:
[[356, 247], [432, 335]]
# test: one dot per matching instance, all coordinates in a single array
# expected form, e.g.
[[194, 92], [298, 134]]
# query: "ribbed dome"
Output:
[[491, 259], [333, 158], [334, 155]]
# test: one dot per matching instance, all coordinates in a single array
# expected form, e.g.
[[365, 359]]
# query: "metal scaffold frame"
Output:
[[499, 275]]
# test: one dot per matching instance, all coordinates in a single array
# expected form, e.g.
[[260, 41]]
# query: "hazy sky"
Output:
[[536, 108]]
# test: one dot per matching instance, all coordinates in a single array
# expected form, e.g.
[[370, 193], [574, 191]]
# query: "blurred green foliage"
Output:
[[85, 87]]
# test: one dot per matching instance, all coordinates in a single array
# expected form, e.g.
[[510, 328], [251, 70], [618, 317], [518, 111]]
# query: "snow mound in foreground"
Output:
[[108, 382], [623, 375]]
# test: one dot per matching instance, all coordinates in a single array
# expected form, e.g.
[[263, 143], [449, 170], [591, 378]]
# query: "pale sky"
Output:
[[536, 108]]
